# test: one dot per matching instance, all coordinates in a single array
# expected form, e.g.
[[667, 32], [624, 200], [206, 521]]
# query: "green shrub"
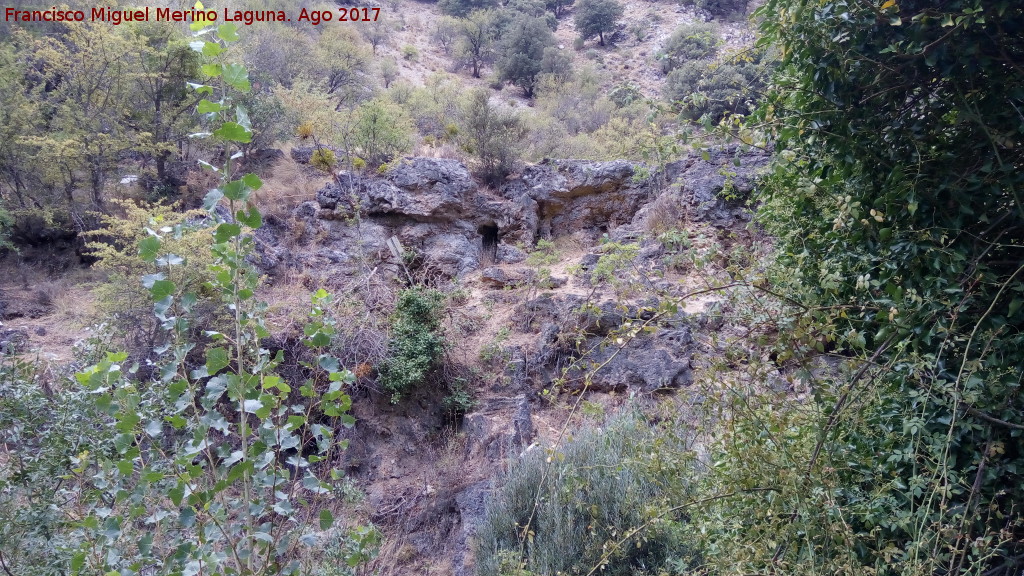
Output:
[[583, 506], [710, 90], [416, 342], [410, 52], [459, 400], [323, 159], [689, 42], [42, 431], [729, 9]]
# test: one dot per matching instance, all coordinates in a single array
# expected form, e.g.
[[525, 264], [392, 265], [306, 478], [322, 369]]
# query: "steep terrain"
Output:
[[526, 325]]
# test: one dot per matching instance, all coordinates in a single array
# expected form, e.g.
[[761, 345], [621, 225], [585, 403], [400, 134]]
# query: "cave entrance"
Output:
[[489, 240]]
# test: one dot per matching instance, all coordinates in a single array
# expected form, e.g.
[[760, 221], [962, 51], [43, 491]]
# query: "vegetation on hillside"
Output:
[[186, 438]]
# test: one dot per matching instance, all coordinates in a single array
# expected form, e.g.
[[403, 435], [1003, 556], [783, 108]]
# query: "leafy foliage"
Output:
[[465, 7], [724, 8], [416, 344], [596, 18], [522, 52], [578, 508], [193, 466], [709, 90], [492, 134], [689, 42], [897, 200], [382, 131]]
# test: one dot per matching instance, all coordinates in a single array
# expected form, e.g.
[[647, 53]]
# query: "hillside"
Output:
[[523, 288]]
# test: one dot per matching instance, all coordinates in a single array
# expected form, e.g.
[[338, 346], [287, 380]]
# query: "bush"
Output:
[[416, 342], [689, 42], [710, 90], [577, 508], [383, 131], [597, 18], [124, 303], [464, 7], [323, 159], [493, 135], [42, 431], [724, 8]]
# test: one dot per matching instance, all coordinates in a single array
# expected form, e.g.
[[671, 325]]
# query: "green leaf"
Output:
[[237, 76], [227, 32], [242, 117], [201, 88], [226, 231], [326, 519], [252, 181], [77, 562], [236, 190], [233, 132], [162, 289], [213, 70], [211, 49], [212, 198], [251, 218], [149, 247], [146, 544], [216, 359], [125, 467], [207, 107]]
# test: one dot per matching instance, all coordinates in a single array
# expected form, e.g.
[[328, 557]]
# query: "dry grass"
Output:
[[288, 185], [666, 213], [54, 310]]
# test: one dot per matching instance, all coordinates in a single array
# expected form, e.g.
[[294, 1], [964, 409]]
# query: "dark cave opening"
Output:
[[489, 239]]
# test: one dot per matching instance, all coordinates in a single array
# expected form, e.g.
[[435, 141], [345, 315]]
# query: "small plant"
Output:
[[410, 52], [495, 349], [545, 254], [459, 400], [573, 509], [416, 343], [345, 551], [323, 159]]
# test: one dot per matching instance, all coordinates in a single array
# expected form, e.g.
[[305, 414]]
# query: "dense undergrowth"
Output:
[[894, 302]]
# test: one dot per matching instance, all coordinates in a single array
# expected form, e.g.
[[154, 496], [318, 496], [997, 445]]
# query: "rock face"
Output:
[[648, 362], [436, 208]]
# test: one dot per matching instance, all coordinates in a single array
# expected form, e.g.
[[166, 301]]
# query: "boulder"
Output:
[[496, 277]]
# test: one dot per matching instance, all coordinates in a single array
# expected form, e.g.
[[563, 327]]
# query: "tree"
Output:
[[446, 33], [724, 8], [522, 52], [898, 201], [342, 64], [476, 36], [382, 131], [377, 33], [87, 102], [491, 134], [596, 18], [558, 7], [19, 117], [164, 64], [706, 89], [463, 7], [689, 42]]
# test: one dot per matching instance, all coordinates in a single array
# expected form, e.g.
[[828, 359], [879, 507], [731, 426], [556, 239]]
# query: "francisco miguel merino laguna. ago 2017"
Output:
[[117, 16]]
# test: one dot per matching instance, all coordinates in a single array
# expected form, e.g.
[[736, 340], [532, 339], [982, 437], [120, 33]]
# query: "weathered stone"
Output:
[[522, 424], [506, 254], [501, 278], [13, 341]]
